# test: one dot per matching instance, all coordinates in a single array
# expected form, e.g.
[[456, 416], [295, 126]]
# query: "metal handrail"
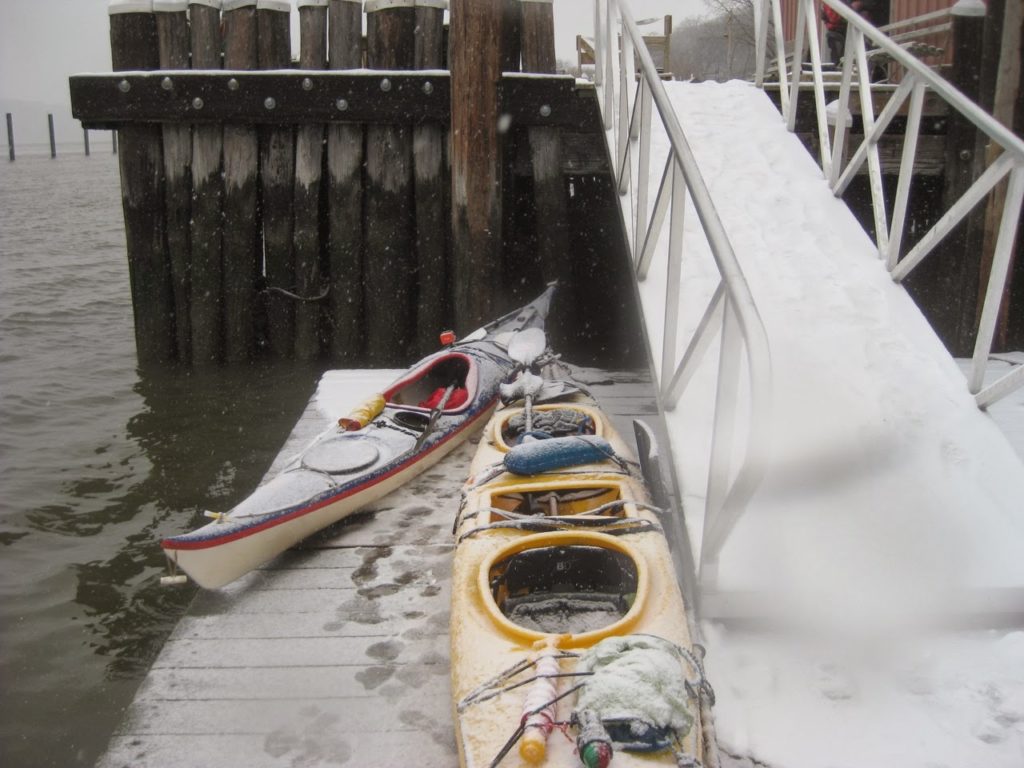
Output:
[[917, 79], [731, 312]]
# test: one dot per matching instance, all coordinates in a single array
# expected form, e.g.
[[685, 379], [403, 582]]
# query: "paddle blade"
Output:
[[527, 345]]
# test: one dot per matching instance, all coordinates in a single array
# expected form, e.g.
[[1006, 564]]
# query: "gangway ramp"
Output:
[[890, 504], [881, 473]]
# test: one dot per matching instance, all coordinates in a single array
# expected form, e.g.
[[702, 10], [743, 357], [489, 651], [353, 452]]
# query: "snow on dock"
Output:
[[337, 652], [889, 500]]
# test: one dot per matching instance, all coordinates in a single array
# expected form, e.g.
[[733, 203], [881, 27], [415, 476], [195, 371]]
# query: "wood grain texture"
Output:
[[174, 46], [389, 277], [309, 141], [206, 302], [277, 174], [345, 196], [134, 46], [476, 159], [242, 241]]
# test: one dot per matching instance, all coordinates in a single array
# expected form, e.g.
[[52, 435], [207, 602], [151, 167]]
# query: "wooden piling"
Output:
[[475, 64], [205, 305], [113, 142], [345, 194], [389, 267], [309, 141], [955, 313], [53, 139], [432, 216], [538, 55], [241, 240], [133, 45], [1004, 29], [277, 164], [85, 141], [174, 46], [10, 137]]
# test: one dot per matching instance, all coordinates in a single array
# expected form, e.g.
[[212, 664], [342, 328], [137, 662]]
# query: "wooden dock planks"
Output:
[[337, 652]]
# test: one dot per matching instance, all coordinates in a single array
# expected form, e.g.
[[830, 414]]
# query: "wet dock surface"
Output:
[[337, 652]]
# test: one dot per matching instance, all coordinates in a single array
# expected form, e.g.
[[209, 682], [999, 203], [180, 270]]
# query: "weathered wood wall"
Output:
[[349, 218]]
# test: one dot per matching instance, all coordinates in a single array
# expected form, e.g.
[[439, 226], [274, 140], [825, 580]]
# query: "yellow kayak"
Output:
[[570, 641]]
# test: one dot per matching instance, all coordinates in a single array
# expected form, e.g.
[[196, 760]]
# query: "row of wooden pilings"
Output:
[[354, 240]]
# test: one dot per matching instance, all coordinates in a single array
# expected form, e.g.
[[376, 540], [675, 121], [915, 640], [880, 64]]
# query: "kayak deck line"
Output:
[[336, 652], [282, 516]]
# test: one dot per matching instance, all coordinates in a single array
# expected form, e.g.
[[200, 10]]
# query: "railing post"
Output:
[[643, 167], [722, 433], [621, 172], [761, 41], [798, 55], [780, 56], [609, 65], [675, 267], [867, 116], [997, 277], [899, 211]]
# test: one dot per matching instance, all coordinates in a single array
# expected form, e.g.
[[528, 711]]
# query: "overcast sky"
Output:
[[44, 41]]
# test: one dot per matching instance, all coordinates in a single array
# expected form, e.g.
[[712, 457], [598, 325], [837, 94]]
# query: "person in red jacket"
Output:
[[835, 32]]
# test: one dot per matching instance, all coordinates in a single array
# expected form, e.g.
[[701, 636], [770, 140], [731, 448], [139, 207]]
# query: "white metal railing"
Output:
[[731, 313], [917, 79]]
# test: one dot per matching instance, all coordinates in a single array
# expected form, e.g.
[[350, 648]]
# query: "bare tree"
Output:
[[720, 46]]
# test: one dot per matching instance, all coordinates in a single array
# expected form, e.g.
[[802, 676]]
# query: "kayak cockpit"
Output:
[[564, 589], [579, 585], [425, 387]]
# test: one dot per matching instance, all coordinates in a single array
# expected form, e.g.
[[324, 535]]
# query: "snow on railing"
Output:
[[730, 313], [917, 79]]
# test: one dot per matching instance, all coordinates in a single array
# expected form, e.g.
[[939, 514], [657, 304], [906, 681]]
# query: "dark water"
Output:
[[97, 462]]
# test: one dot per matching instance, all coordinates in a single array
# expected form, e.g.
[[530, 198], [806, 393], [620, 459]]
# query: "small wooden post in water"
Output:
[[309, 143], [113, 142], [241, 164], [538, 47], [205, 305], [85, 140], [428, 142], [173, 36], [277, 161], [53, 140], [389, 269], [476, 158], [10, 136], [133, 45], [345, 193]]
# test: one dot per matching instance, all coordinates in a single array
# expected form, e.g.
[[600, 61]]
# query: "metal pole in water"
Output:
[[85, 138], [53, 141], [10, 136]]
